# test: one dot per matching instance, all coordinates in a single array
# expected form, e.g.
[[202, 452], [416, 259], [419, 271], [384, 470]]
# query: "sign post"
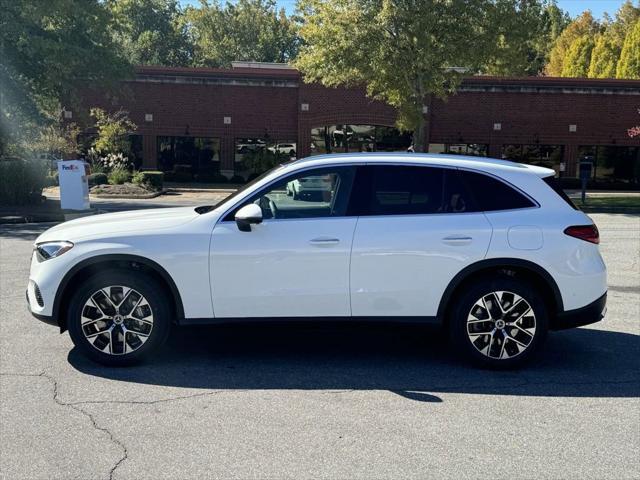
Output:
[[585, 174]]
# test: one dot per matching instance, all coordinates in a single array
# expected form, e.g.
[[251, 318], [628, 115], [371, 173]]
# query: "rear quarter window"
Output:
[[491, 194], [555, 186]]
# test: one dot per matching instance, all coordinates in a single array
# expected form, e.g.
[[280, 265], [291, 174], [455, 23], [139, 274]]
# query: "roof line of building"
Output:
[[265, 71]]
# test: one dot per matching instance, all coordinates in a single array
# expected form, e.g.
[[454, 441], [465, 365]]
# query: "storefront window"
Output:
[[473, 149], [549, 156], [358, 138], [189, 156], [613, 164], [253, 156]]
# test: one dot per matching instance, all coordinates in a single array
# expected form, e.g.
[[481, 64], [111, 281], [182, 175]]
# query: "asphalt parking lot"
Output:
[[322, 401]]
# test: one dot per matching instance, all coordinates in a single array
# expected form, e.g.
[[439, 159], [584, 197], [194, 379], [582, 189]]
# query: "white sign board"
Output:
[[74, 188]]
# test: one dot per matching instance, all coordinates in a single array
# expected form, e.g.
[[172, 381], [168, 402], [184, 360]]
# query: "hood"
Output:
[[121, 222]]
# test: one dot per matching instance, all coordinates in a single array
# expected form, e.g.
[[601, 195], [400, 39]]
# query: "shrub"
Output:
[[237, 179], [97, 179], [115, 161], [118, 176], [50, 181], [150, 179], [21, 181]]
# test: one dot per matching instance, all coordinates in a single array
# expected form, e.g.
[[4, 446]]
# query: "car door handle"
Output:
[[320, 241], [457, 240]]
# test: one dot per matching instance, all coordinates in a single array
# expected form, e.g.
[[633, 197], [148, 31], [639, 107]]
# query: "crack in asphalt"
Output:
[[77, 408]]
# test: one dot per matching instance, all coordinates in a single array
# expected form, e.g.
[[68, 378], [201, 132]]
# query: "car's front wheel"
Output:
[[118, 318], [499, 322]]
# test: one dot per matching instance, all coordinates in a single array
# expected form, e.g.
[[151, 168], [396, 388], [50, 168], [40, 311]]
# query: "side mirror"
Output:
[[247, 215]]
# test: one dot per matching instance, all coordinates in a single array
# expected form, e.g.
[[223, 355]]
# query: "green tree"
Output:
[[625, 19], [608, 45], [251, 30], [583, 26], [578, 57], [151, 32], [629, 64], [402, 51], [553, 21], [48, 50], [517, 34], [113, 131], [604, 57]]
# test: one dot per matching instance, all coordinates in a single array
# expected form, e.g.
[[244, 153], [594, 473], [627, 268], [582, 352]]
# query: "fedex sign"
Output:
[[74, 190]]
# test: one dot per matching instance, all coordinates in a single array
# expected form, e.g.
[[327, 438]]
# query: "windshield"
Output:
[[246, 186]]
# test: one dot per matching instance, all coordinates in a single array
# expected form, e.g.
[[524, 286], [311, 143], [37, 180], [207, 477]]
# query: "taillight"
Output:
[[588, 233]]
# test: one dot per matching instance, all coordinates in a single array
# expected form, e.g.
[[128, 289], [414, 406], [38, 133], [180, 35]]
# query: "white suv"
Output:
[[488, 248]]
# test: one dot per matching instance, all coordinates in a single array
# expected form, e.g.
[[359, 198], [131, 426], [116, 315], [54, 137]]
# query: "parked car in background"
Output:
[[488, 248], [284, 148], [311, 187], [247, 145]]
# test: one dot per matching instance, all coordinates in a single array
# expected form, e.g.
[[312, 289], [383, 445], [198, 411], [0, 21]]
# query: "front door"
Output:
[[296, 262]]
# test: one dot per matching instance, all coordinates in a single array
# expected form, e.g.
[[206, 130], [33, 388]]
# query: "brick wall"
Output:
[[194, 102]]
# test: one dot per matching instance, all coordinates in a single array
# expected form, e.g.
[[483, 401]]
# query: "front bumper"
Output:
[[592, 313], [43, 318]]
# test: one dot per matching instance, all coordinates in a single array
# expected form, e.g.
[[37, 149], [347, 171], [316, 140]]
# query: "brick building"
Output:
[[198, 121]]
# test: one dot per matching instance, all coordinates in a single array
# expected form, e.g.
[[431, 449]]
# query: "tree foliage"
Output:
[[113, 131], [250, 30], [604, 57], [583, 26], [151, 32], [47, 50], [629, 64], [403, 50], [578, 57], [596, 45]]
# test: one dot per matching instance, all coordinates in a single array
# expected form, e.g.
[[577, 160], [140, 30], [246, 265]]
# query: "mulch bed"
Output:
[[126, 190]]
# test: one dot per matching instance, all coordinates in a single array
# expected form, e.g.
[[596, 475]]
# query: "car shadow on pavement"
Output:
[[412, 361]]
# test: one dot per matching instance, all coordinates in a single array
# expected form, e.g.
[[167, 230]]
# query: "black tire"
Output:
[[460, 331], [138, 281]]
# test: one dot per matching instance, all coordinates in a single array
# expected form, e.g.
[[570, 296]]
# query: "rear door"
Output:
[[417, 228]]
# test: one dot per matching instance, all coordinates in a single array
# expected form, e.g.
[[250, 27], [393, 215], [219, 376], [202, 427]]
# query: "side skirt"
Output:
[[219, 321]]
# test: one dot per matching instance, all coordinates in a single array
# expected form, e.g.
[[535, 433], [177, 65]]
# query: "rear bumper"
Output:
[[592, 313]]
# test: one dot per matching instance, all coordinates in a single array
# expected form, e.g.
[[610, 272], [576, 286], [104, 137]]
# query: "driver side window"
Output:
[[312, 193]]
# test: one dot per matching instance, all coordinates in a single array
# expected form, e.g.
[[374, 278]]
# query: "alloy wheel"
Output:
[[501, 325], [117, 320]]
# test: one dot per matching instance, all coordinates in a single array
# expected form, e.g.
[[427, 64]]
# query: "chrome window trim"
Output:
[[407, 163]]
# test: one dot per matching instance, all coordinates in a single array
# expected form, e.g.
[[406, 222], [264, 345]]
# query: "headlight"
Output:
[[49, 250]]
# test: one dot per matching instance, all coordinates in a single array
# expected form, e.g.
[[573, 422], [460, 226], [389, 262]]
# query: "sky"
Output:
[[574, 7]]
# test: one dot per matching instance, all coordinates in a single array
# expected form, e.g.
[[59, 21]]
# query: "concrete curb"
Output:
[[130, 197], [201, 190]]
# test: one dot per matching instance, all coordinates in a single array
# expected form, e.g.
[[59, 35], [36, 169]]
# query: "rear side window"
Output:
[[491, 194], [407, 190], [555, 186]]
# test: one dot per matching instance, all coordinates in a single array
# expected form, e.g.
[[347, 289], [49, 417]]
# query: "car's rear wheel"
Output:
[[118, 318], [499, 322]]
